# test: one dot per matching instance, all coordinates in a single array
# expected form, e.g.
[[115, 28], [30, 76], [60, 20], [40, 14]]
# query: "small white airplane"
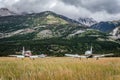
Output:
[[28, 54], [89, 54]]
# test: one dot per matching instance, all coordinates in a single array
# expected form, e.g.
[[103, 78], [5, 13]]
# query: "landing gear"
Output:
[[97, 58], [80, 58]]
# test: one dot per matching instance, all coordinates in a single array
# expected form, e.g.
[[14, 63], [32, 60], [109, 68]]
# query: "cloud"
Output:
[[110, 6], [97, 9]]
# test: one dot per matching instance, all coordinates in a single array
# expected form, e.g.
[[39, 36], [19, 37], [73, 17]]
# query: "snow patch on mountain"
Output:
[[86, 21]]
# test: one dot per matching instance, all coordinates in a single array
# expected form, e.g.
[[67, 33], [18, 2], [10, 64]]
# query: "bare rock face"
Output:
[[116, 33], [86, 21]]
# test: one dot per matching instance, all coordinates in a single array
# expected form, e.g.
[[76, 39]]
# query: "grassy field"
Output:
[[59, 69]]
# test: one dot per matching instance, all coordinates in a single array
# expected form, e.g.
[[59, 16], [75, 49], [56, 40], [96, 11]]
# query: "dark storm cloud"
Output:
[[110, 6], [98, 9]]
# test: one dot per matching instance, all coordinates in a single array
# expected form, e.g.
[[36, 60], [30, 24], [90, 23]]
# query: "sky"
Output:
[[100, 10]]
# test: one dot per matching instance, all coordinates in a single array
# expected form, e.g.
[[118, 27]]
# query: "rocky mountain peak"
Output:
[[86, 21], [6, 12]]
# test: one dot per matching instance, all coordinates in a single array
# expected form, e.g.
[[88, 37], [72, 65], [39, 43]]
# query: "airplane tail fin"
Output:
[[23, 51], [91, 49], [89, 52]]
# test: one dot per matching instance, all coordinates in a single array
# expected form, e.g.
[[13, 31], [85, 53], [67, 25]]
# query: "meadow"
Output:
[[59, 68]]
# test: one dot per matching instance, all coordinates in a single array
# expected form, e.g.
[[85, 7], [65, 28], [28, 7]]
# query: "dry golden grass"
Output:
[[59, 69]]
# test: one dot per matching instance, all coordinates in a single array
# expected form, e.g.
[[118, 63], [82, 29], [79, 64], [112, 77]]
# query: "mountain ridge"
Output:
[[86, 21], [6, 12], [29, 23], [106, 26], [52, 34]]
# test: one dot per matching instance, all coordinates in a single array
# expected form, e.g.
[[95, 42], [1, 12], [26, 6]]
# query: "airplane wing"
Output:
[[72, 55], [82, 57], [33, 57], [38, 56], [42, 56], [15, 55], [20, 56], [103, 55], [75, 56]]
